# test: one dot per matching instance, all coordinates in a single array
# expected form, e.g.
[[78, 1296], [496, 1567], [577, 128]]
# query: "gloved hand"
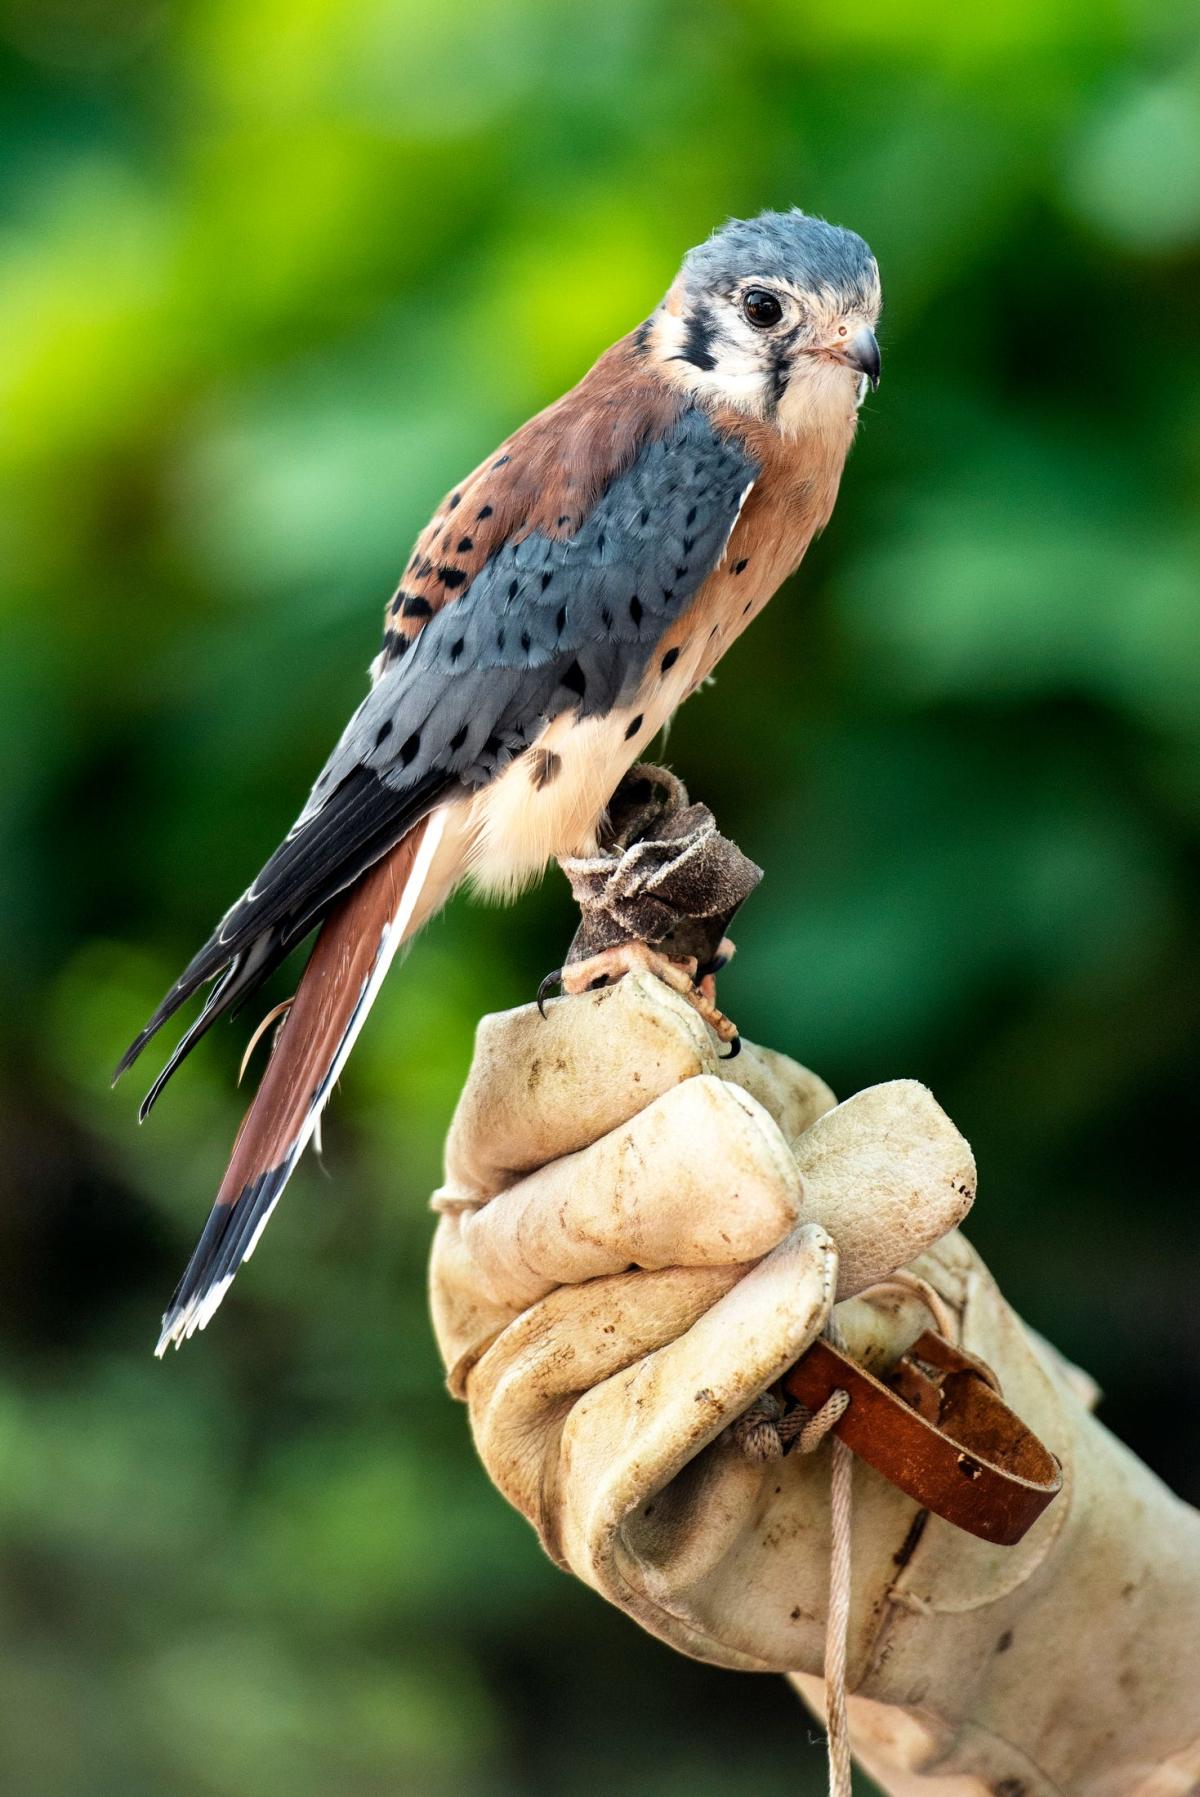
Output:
[[637, 1239]]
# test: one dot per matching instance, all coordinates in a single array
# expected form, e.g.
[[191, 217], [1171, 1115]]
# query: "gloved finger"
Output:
[[554, 1352], [628, 1437], [542, 1087], [701, 1177], [888, 1175], [879, 1328], [465, 1320]]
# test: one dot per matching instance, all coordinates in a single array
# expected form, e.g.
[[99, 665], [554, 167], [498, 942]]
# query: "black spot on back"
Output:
[[411, 749], [669, 659], [416, 607], [635, 725]]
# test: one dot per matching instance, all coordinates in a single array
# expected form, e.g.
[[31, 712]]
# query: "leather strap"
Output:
[[937, 1427]]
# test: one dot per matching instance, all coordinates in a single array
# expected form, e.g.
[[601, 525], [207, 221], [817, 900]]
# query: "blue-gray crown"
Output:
[[789, 246]]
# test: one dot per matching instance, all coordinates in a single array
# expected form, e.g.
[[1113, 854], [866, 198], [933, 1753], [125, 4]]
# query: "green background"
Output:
[[273, 275]]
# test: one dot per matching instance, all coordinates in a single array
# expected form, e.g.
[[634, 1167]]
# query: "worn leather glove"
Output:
[[637, 1239]]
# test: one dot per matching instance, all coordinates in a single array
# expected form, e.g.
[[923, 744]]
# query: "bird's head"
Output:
[[776, 316]]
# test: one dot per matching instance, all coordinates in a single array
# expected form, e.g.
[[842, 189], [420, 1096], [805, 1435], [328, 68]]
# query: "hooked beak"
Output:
[[862, 352]]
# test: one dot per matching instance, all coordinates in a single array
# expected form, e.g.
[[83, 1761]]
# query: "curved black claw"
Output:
[[735, 1049], [543, 991], [714, 967]]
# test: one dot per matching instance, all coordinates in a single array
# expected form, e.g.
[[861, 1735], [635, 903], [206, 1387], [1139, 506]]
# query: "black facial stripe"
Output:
[[779, 374], [697, 348], [780, 371]]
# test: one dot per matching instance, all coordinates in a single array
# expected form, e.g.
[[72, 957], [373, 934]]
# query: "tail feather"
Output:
[[324, 855], [353, 952], [242, 977]]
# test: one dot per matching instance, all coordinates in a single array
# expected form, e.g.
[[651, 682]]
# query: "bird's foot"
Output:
[[696, 984]]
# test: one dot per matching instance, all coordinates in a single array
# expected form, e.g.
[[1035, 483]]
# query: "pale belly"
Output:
[[551, 801]]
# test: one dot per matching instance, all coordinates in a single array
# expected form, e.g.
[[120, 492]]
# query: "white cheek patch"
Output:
[[739, 378]]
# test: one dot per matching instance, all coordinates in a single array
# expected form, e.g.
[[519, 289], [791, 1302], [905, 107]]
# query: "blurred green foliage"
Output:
[[274, 273]]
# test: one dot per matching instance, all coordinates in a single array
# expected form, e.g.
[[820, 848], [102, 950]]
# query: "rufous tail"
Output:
[[353, 952]]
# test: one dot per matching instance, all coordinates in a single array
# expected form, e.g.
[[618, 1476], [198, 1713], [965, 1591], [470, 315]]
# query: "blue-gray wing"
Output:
[[552, 625], [547, 626]]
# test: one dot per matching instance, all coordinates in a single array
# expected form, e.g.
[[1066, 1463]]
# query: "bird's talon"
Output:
[[721, 959], [543, 991]]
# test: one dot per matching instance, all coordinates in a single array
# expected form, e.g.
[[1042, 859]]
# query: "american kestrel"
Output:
[[563, 600]]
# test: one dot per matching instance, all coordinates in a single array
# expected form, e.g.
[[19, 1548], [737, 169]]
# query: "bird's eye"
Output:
[[761, 308]]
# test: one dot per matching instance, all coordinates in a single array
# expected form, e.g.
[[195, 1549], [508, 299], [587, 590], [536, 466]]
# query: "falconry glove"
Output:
[[637, 1239]]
